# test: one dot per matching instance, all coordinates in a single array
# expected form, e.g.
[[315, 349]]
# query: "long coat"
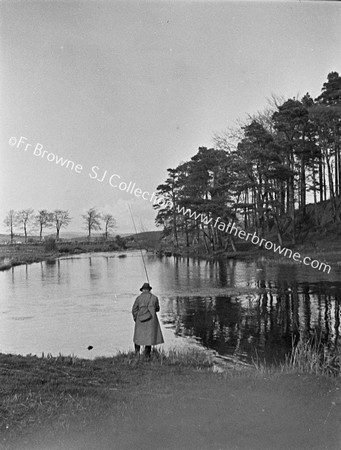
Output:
[[149, 332]]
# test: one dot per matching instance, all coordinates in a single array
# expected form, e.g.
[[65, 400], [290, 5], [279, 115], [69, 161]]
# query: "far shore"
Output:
[[12, 255], [325, 250]]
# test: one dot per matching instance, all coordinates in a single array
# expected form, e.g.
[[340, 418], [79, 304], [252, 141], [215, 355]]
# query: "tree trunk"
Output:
[[186, 233], [175, 225], [314, 187], [232, 244], [303, 186], [279, 233], [331, 189], [204, 236], [321, 178]]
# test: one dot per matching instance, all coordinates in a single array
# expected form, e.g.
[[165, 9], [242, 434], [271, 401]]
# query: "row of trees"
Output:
[[26, 220], [262, 173]]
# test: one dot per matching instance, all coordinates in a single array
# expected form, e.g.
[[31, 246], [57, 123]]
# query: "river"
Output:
[[244, 309]]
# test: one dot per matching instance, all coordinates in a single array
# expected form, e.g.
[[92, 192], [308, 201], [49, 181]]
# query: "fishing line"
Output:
[[138, 242]]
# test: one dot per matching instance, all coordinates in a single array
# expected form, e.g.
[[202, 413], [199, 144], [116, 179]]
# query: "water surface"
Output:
[[233, 307]]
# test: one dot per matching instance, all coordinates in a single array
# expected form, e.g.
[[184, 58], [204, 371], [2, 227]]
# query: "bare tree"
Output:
[[25, 218], [110, 224], [10, 222], [92, 220], [228, 139], [44, 219], [61, 218]]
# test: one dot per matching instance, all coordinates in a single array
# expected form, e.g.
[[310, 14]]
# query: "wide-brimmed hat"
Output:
[[146, 286]]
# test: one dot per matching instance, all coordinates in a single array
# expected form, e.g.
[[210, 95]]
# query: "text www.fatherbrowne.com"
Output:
[[231, 228]]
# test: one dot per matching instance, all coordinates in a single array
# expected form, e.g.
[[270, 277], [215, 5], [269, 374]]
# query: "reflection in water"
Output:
[[262, 325], [73, 302], [94, 270]]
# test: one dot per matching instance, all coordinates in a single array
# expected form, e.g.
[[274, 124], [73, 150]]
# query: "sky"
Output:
[[118, 92]]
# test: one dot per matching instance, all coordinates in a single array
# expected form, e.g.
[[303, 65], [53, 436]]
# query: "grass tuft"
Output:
[[310, 356], [307, 356], [178, 358], [191, 358]]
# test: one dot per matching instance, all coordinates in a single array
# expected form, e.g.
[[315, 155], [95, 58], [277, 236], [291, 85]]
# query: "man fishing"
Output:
[[147, 329]]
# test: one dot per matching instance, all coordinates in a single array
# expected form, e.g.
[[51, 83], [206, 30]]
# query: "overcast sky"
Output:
[[135, 88]]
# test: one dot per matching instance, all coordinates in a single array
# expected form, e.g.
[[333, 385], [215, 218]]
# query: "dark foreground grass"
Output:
[[52, 403], [62, 393]]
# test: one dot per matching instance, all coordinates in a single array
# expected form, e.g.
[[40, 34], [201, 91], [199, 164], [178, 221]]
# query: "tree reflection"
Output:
[[263, 326]]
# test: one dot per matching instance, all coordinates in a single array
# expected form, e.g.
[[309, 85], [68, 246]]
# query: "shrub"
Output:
[[50, 245], [121, 242], [64, 250]]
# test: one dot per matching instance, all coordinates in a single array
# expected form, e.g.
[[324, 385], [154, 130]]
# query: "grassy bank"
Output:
[[21, 258], [174, 400], [18, 254], [325, 249], [322, 248], [51, 395]]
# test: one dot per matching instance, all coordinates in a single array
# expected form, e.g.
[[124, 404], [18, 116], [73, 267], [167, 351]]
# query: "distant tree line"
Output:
[[26, 220], [261, 172]]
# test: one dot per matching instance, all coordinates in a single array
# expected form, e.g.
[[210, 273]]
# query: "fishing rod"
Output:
[[138, 242]]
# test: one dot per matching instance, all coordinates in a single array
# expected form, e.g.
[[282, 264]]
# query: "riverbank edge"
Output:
[[327, 261], [328, 252], [25, 260], [327, 256], [18, 257], [60, 388], [46, 396]]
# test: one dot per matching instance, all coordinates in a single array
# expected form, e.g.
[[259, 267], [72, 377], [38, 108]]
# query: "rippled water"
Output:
[[233, 307]]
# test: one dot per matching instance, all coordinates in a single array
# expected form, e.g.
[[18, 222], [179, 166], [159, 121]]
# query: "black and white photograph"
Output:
[[170, 225]]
